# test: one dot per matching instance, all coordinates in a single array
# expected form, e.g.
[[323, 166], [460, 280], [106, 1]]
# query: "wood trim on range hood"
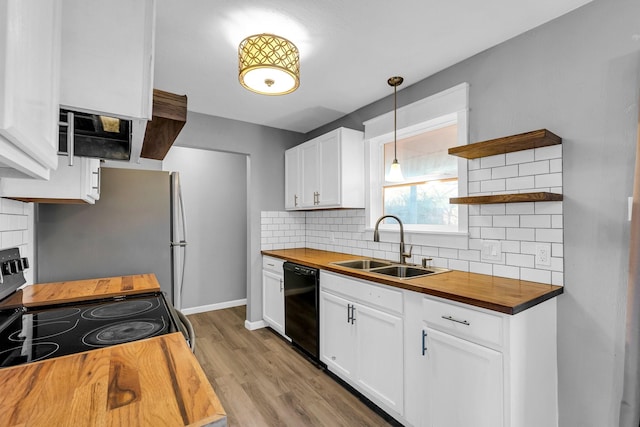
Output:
[[169, 116]]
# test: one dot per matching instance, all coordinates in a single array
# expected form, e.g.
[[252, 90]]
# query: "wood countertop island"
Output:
[[500, 294], [150, 382]]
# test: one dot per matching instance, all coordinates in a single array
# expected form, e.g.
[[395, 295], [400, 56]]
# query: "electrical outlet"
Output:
[[543, 254], [332, 237], [491, 250]]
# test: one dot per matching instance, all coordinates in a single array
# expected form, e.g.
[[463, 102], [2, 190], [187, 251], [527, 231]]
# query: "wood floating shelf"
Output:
[[508, 144], [168, 118], [507, 198]]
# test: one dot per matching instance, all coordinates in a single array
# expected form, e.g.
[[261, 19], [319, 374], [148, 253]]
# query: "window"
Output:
[[426, 129], [431, 178]]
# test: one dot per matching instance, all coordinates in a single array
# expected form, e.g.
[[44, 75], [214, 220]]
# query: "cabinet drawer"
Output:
[[474, 325], [366, 292], [272, 264]]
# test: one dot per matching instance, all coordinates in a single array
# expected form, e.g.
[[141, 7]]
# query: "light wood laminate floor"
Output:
[[262, 381]]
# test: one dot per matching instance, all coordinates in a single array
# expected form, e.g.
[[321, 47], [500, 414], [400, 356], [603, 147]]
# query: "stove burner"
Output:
[[117, 310], [39, 351], [45, 330], [121, 332], [45, 316]]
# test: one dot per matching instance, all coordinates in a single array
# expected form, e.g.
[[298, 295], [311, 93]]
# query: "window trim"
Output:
[[441, 109]]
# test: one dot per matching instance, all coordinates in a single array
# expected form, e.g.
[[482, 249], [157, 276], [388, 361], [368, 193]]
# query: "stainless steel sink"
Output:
[[403, 271], [362, 264], [399, 271]]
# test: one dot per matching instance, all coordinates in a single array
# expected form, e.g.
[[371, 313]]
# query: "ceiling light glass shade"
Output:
[[268, 64], [395, 172]]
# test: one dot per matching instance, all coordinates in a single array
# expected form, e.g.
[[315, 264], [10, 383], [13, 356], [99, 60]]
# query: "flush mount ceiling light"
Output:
[[395, 173], [268, 64]]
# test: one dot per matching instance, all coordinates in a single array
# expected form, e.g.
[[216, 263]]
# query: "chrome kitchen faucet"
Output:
[[376, 237]]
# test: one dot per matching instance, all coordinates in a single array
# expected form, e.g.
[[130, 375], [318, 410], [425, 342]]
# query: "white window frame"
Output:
[[444, 108]]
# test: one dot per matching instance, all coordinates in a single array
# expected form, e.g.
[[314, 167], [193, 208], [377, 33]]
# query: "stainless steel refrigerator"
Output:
[[137, 226]]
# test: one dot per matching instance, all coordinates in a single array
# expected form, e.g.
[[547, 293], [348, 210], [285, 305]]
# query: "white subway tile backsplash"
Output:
[[535, 221], [549, 180], [520, 208], [479, 175], [520, 183], [492, 185], [519, 227], [520, 260], [534, 168], [534, 275], [520, 157], [493, 233], [480, 268], [492, 161], [549, 235], [456, 264], [550, 208], [493, 209], [504, 172], [506, 221], [512, 246], [521, 234], [481, 221], [551, 152], [506, 271]]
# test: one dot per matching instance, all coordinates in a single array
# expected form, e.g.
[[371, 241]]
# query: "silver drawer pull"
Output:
[[464, 322]]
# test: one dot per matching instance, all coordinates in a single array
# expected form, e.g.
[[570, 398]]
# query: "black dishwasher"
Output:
[[301, 314]]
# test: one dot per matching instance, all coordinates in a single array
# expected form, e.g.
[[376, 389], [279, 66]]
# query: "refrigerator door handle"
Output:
[[183, 242]]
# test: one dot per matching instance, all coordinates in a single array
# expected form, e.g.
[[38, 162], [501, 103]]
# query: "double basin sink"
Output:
[[386, 268]]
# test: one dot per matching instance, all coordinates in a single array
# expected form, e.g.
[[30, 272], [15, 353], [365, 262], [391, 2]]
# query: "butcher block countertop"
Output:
[[508, 296], [151, 382], [42, 294]]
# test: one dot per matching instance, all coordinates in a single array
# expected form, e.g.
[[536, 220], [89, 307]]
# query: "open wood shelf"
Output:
[[507, 198], [508, 144]]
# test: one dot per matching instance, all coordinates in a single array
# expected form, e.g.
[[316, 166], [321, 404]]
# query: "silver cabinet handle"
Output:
[[71, 128], [97, 186], [464, 322], [280, 285], [424, 342], [295, 200]]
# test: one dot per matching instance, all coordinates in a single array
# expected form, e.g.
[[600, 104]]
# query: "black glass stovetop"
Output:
[[38, 334]]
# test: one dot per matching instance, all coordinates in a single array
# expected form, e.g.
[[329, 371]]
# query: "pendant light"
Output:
[[395, 173], [268, 64]]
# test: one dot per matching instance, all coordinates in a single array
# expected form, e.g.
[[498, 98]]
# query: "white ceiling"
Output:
[[348, 49]]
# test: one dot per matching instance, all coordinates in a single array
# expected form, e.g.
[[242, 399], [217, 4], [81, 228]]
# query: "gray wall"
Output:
[[264, 147], [577, 76]]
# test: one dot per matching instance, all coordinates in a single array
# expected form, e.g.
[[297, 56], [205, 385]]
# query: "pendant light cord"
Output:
[[395, 122]]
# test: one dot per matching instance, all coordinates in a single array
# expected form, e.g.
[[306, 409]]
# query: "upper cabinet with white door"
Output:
[[29, 87], [108, 56], [326, 172]]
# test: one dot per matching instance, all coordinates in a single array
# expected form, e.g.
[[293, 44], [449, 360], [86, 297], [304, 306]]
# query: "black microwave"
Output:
[[94, 135]]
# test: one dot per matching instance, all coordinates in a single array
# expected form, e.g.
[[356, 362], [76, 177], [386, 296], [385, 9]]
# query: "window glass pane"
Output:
[[425, 155], [422, 203]]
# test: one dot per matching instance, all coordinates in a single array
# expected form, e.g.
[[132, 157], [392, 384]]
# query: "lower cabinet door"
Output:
[[337, 335], [380, 356], [273, 300], [463, 383]]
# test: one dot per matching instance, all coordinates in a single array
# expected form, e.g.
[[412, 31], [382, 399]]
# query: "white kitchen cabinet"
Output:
[[326, 172], [361, 330], [29, 87], [470, 366], [273, 293], [292, 179], [79, 183], [463, 383], [108, 56]]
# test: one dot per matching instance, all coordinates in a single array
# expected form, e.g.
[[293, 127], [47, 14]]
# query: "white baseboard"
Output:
[[213, 307], [252, 326]]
